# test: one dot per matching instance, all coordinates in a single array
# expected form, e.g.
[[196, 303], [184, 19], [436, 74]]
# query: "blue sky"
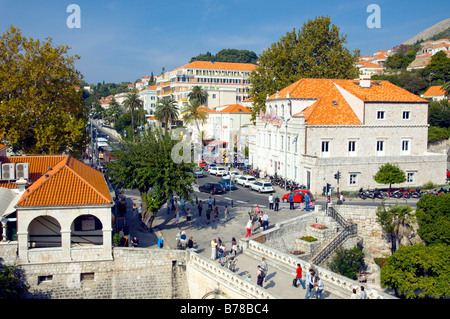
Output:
[[125, 40]]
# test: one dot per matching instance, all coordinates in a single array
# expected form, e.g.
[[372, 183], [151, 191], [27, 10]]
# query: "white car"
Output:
[[245, 180], [218, 171], [234, 175], [261, 186]]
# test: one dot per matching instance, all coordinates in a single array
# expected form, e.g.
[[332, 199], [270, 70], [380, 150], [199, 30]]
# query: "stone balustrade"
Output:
[[343, 284]]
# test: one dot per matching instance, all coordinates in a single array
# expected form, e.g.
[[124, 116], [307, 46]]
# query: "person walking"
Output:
[[233, 246], [363, 294], [226, 212], [259, 276], [354, 295], [270, 202], [177, 216], [309, 281], [188, 217], [319, 285], [298, 277], [291, 202], [307, 199], [277, 203], [208, 214], [210, 203], [213, 249], [265, 221], [264, 267], [249, 228], [182, 204], [216, 213], [200, 207]]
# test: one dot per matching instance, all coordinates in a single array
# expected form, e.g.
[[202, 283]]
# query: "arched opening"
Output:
[[44, 231], [86, 230]]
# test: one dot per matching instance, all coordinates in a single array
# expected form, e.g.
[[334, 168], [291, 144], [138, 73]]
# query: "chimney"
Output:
[[21, 184], [364, 81]]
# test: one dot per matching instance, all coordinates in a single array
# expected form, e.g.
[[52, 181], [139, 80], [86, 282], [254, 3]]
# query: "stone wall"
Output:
[[374, 244], [134, 273]]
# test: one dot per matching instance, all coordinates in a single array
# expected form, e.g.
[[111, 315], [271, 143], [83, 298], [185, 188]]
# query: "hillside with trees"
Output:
[[228, 55]]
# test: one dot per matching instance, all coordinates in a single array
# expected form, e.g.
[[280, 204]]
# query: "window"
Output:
[[87, 276], [325, 149], [410, 177], [213, 96], [270, 137], [380, 148], [405, 115], [47, 278], [353, 179], [282, 142], [289, 144], [380, 115], [351, 148], [405, 147]]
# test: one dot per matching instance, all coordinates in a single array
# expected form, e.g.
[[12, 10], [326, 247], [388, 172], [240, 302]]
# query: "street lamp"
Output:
[[286, 119]]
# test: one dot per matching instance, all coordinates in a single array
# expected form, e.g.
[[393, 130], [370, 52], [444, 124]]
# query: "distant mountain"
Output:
[[430, 32]]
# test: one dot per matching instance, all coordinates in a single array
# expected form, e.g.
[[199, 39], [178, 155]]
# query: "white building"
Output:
[[350, 126], [225, 83], [148, 96]]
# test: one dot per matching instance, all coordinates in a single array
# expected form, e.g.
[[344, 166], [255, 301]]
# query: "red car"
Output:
[[202, 163], [297, 194]]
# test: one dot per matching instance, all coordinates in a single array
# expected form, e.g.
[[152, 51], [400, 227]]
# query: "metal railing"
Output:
[[349, 230]]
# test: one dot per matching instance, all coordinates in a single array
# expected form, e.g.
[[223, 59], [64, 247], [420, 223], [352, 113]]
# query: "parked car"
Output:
[[262, 186], [212, 188], [234, 175], [198, 172], [202, 164], [227, 185], [216, 170], [208, 166], [297, 194], [245, 180]]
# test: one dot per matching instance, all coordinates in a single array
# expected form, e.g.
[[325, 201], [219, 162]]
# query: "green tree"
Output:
[[446, 88], [113, 112], [347, 262], [433, 218], [166, 111], [438, 71], [12, 283], [40, 110], [396, 223], [400, 61], [147, 165], [198, 94], [439, 113], [316, 51], [133, 103], [418, 271], [389, 174]]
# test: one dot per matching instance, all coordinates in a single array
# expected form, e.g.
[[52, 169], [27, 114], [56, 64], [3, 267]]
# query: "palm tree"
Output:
[[132, 103], [114, 111], [198, 94], [446, 88], [193, 113], [166, 111]]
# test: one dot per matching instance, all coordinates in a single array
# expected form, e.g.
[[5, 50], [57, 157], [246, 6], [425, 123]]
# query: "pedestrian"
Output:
[[213, 249], [259, 276], [172, 204], [291, 202], [249, 228], [188, 217], [222, 250], [257, 210], [208, 214], [309, 281], [200, 207], [277, 203], [319, 285], [363, 294], [265, 221], [307, 199], [249, 277], [140, 212], [177, 216], [216, 213], [271, 202], [264, 267], [233, 246], [160, 242], [210, 203], [219, 243], [226, 213], [354, 295], [182, 204], [298, 277]]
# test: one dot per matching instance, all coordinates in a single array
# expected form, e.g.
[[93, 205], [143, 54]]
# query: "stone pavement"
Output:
[[278, 281]]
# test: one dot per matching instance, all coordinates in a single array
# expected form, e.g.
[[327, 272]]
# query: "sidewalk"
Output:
[[278, 281]]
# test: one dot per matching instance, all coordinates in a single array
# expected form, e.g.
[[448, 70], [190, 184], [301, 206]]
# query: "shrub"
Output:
[[308, 238], [347, 262], [429, 185]]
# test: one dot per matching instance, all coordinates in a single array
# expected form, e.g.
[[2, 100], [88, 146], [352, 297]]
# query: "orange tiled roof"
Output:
[[371, 65], [235, 108], [69, 182], [434, 90], [219, 66], [205, 109], [331, 108], [2, 146]]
